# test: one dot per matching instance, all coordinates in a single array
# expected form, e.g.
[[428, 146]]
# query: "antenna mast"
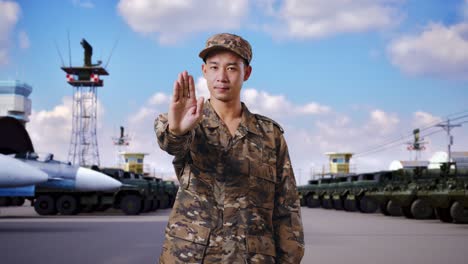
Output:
[[417, 144], [85, 81], [448, 127]]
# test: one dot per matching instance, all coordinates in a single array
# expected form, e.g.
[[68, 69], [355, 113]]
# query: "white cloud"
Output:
[[50, 130], [201, 88], [438, 50], [170, 21], [382, 122], [321, 18], [23, 40], [158, 98], [9, 15], [278, 106], [423, 119]]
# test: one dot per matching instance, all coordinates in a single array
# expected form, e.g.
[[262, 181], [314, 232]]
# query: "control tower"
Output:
[[14, 100], [85, 80]]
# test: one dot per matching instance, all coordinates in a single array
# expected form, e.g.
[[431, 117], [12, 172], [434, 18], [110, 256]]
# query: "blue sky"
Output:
[[338, 75]]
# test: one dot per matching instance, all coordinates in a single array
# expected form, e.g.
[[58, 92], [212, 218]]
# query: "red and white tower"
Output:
[[85, 80]]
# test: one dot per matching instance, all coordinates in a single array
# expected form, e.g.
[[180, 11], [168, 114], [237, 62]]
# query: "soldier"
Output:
[[237, 201]]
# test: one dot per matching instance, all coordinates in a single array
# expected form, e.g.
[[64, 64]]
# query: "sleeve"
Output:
[[289, 234], [174, 145]]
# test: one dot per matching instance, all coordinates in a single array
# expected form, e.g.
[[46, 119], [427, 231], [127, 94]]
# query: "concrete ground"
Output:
[[331, 237]]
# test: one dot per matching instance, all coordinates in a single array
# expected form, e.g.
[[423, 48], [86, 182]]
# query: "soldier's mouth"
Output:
[[221, 88]]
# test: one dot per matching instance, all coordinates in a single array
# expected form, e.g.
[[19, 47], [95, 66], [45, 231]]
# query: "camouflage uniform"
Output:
[[237, 201]]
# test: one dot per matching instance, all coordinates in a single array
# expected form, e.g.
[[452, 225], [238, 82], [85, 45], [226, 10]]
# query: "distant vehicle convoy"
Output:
[[69, 190], [417, 193]]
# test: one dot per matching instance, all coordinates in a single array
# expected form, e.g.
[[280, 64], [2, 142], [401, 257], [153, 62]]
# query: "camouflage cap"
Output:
[[229, 42]]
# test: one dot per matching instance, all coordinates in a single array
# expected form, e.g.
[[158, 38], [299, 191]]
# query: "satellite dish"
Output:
[[438, 158], [395, 165]]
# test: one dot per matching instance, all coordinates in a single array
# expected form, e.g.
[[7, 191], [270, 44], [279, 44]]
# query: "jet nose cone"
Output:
[[90, 180], [15, 173]]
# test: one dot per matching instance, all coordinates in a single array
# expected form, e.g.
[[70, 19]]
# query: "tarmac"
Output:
[[331, 237]]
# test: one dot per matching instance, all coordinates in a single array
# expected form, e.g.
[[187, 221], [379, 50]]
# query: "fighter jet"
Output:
[[66, 176], [15, 173]]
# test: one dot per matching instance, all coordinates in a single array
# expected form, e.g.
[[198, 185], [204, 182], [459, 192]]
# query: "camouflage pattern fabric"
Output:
[[230, 42], [237, 201]]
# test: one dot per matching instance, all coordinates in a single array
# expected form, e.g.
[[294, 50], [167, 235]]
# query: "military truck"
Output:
[[308, 194], [50, 200], [369, 191], [448, 194], [339, 192], [365, 183], [350, 193], [323, 192], [458, 195], [402, 194], [170, 192], [136, 194]]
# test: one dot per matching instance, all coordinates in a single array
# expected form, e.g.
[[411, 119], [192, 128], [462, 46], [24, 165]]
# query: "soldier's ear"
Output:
[[247, 72], [203, 68]]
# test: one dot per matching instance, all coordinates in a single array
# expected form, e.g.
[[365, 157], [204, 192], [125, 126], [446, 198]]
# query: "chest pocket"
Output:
[[205, 150], [262, 182]]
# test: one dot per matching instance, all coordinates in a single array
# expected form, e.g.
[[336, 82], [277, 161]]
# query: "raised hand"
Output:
[[185, 110]]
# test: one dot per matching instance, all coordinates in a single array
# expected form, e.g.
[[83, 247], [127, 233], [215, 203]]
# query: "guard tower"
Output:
[[339, 162], [85, 80], [133, 162]]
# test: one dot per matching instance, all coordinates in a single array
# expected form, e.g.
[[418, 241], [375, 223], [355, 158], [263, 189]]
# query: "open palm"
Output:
[[184, 110]]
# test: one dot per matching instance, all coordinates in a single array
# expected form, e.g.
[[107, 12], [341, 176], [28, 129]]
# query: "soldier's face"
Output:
[[225, 72]]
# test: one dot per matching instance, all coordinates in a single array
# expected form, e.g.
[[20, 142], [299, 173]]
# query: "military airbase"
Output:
[[331, 237], [355, 89]]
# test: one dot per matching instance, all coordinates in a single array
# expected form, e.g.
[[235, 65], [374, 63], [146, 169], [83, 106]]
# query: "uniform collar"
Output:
[[248, 120]]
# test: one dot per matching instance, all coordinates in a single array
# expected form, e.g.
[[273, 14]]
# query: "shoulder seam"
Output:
[[264, 118]]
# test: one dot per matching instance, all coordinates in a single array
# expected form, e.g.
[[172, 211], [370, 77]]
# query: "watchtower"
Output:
[[339, 162], [134, 161], [85, 80]]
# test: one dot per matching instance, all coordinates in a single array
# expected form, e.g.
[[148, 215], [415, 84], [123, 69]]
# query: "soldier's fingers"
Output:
[[184, 84], [176, 92], [181, 86], [191, 87]]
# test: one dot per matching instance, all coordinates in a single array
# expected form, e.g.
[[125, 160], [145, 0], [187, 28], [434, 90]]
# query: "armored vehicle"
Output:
[[402, 195], [342, 187], [308, 194], [170, 192], [364, 184], [351, 192], [135, 194], [448, 195], [323, 193]]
